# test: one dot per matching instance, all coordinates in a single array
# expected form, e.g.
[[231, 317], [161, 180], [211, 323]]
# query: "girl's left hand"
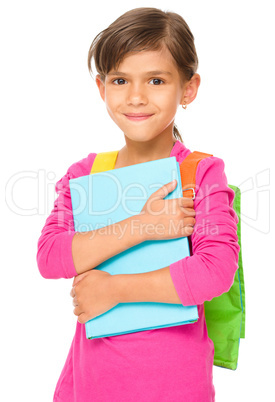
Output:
[[93, 294]]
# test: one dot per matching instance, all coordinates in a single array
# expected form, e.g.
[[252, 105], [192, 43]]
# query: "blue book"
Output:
[[101, 199]]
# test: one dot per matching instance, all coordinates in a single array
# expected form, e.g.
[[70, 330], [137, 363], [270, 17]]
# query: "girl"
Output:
[[146, 63]]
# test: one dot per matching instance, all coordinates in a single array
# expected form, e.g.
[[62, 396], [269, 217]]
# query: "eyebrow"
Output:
[[155, 72]]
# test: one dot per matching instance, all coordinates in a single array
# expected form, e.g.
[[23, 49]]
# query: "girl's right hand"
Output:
[[167, 219]]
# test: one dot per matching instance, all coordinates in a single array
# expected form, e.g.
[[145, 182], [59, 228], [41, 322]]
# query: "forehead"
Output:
[[147, 60]]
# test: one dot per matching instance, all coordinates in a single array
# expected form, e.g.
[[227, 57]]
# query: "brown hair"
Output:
[[144, 29]]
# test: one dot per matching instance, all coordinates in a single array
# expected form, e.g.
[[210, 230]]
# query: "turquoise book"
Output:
[[102, 199]]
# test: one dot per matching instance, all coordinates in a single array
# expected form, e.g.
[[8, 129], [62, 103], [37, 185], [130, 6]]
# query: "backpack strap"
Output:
[[104, 161], [188, 169]]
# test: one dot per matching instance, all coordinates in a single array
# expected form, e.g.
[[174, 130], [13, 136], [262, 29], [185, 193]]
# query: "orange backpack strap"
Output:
[[188, 169]]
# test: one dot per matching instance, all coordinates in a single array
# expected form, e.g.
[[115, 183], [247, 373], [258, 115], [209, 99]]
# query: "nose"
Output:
[[137, 95]]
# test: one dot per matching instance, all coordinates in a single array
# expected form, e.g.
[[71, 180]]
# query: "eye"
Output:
[[119, 81], [157, 81]]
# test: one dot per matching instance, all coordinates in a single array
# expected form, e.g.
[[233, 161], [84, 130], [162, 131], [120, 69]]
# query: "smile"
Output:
[[137, 116]]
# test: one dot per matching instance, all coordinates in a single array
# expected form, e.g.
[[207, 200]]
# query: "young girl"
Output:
[[146, 63]]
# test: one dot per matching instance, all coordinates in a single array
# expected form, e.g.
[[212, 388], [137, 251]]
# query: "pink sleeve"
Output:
[[211, 268], [54, 255]]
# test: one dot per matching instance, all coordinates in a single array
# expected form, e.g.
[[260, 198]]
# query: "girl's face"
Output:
[[142, 97]]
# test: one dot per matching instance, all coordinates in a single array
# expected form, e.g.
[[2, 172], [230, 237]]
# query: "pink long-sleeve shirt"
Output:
[[167, 364]]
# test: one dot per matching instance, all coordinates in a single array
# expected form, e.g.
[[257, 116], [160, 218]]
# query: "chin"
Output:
[[139, 133], [139, 138]]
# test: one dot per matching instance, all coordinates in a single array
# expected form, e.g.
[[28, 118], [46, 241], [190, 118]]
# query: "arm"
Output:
[[155, 286], [90, 249], [97, 291], [210, 271], [64, 253]]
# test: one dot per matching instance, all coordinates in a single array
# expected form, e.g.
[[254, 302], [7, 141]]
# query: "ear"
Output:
[[101, 87], [191, 89]]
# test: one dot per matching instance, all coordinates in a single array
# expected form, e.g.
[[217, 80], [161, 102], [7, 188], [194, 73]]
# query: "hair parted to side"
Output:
[[144, 29]]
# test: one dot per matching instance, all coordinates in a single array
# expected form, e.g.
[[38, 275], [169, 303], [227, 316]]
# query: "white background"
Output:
[[52, 116]]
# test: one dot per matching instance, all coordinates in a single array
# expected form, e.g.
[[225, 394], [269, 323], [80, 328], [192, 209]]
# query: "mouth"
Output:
[[137, 116]]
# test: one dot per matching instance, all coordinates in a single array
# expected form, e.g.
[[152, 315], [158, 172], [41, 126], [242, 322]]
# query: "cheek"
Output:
[[169, 108], [111, 104], [166, 100], [113, 110], [111, 113]]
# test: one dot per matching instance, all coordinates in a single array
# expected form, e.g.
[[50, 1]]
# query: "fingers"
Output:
[[187, 230], [72, 292], [189, 221], [164, 190], [82, 318], [73, 295], [79, 277], [187, 205], [77, 310], [186, 202], [188, 211], [76, 280]]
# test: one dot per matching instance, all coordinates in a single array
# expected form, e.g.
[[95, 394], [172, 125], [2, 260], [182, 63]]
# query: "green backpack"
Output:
[[224, 315], [228, 306]]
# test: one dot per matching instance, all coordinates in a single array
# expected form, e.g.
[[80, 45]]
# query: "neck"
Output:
[[138, 152]]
